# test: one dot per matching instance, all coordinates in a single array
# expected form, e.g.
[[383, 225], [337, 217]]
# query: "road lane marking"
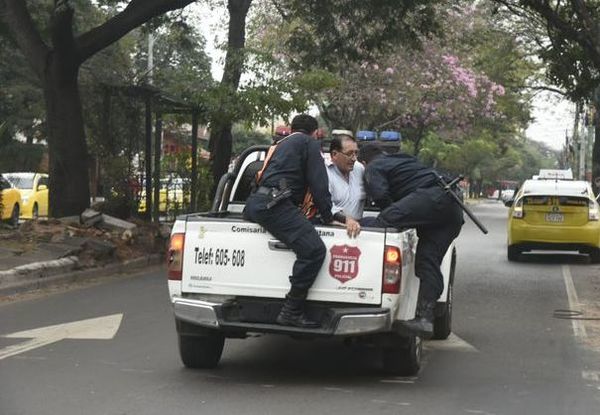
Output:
[[396, 381], [591, 375], [578, 326], [101, 328]]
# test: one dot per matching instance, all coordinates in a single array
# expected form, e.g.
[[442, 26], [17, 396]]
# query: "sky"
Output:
[[553, 119]]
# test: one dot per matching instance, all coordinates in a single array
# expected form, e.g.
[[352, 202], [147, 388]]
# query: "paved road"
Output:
[[511, 355]]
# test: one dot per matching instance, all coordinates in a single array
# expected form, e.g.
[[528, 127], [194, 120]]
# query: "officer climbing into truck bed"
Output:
[[292, 168], [410, 196]]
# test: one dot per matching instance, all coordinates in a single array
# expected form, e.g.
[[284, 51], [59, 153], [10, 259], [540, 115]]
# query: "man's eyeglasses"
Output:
[[350, 154]]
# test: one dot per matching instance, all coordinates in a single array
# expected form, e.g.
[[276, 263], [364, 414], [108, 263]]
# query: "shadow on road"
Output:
[[554, 258]]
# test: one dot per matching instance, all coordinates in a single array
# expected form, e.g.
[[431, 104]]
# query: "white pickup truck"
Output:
[[228, 278]]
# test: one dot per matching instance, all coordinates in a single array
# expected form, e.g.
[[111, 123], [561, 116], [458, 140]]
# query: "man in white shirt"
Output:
[[346, 181]]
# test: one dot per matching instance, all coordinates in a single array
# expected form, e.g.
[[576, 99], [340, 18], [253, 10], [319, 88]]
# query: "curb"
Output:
[[44, 274]]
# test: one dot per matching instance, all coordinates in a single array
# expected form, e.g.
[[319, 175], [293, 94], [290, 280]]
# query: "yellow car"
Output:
[[171, 196], [556, 215], [34, 193], [10, 202]]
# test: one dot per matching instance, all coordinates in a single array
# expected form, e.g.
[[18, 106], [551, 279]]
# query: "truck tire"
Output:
[[513, 252], [595, 256], [404, 359], [442, 325], [201, 352]]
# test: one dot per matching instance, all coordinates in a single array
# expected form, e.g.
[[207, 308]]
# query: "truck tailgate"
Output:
[[240, 258]]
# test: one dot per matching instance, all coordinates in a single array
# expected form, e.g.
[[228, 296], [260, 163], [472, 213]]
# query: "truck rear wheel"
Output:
[[201, 352], [403, 359]]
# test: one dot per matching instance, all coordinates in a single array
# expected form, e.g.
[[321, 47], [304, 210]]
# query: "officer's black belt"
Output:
[[264, 190]]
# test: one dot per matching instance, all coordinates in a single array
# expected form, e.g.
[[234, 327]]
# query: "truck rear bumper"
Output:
[[335, 321]]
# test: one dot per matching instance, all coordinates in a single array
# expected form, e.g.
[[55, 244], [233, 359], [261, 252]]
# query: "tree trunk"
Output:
[[220, 135], [67, 148], [221, 153]]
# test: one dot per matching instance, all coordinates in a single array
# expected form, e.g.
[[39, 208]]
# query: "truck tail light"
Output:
[[518, 209], [593, 213], [175, 256], [392, 270]]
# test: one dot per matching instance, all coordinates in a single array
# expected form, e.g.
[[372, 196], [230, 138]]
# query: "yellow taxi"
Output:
[[10, 202], [555, 215], [34, 193]]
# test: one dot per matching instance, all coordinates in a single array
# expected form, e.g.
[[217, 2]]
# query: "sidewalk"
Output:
[[47, 252]]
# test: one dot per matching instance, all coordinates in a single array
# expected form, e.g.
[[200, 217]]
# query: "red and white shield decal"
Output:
[[344, 262]]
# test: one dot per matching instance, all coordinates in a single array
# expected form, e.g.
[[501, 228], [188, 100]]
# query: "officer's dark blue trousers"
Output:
[[287, 223], [438, 220]]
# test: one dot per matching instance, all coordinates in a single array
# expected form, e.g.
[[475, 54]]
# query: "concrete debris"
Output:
[[100, 239], [100, 249], [90, 217], [112, 223], [69, 220], [127, 236]]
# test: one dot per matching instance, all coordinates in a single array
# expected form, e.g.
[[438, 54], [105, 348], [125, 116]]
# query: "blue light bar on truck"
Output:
[[390, 136], [366, 135]]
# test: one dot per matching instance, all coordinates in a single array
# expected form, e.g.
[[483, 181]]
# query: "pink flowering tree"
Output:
[[414, 92]]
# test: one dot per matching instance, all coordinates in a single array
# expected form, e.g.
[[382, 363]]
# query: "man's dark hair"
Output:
[[368, 152], [304, 123], [338, 140]]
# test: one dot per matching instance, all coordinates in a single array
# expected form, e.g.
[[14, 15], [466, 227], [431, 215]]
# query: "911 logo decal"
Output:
[[344, 262]]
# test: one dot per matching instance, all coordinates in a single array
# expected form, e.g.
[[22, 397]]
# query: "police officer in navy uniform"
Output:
[[295, 166], [409, 196]]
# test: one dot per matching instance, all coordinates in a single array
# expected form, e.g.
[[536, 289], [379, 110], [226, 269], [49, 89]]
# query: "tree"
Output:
[[56, 60], [567, 35], [415, 92], [350, 38]]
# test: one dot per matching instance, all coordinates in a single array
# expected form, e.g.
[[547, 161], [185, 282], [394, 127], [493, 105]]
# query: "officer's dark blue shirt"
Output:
[[391, 177], [298, 160]]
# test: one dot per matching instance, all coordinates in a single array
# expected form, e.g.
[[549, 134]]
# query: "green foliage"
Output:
[[244, 137], [181, 67], [119, 195], [484, 159], [179, 166], [17, 156], [21, 99], [327, 34], [565, 37]]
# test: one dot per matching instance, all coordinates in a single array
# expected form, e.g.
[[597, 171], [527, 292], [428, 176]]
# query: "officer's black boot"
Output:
[[422, 324], [292, 313]]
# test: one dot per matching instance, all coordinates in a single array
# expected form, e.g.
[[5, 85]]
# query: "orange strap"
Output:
[[308, 206], [265, 163]]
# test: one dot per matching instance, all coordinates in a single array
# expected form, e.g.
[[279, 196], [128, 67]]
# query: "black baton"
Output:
[[448, 188]]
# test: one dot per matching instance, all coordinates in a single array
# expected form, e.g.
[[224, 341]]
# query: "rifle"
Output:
[[448, 188]]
